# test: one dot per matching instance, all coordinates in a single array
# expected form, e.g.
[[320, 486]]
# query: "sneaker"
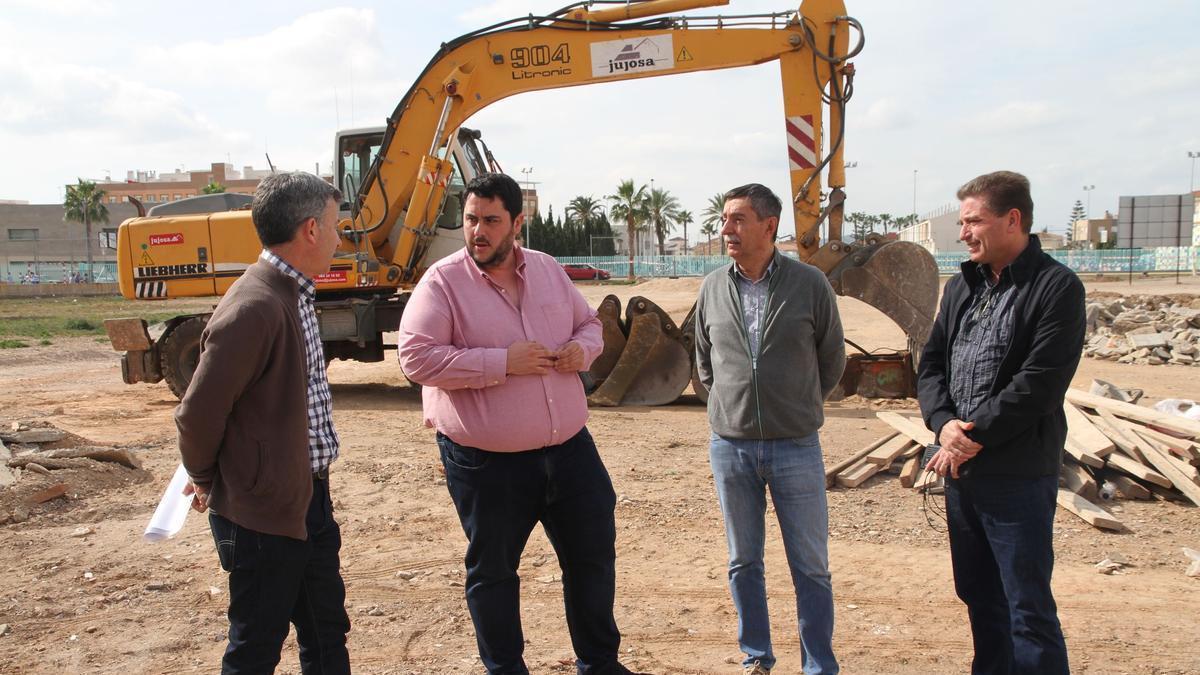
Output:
[[756, 668]]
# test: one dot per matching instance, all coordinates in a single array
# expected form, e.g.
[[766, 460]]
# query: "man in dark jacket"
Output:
[[993, 375], [256, 434]]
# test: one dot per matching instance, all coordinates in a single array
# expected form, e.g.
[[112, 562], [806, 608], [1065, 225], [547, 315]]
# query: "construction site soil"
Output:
[[81, 591]]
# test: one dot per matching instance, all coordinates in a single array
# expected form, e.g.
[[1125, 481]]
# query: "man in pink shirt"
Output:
[[496, 335]]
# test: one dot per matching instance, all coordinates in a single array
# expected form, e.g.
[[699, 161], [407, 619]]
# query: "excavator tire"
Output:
[[179, 352]]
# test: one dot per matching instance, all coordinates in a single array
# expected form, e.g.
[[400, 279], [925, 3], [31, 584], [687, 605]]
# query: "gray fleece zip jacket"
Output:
[[800, 359]]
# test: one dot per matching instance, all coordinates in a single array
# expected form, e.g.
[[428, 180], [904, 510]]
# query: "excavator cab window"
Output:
[[356, 150]]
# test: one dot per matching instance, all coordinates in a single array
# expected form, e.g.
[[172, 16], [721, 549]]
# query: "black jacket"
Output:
[[1021, 424]]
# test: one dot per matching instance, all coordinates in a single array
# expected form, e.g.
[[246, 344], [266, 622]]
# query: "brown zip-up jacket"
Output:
[[243, 423]]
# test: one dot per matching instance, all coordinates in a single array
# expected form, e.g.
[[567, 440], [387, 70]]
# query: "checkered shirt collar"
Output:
[[307, 287]]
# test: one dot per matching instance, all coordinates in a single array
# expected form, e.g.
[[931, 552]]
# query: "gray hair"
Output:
[[285, 200], [764, 202]]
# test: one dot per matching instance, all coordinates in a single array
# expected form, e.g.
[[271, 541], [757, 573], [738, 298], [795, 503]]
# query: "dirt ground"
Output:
[[81, 592]]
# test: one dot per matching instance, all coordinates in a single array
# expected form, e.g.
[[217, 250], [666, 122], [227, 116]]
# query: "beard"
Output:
[[498, 253]]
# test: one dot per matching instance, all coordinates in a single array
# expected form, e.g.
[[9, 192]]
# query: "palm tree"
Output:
[[661, 207], [712, 217], [584, 209], [709, 230], [885, 219], [684, 218], [84, 203], [628, 204]]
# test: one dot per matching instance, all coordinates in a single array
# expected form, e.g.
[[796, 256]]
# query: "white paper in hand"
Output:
[[172, 510]]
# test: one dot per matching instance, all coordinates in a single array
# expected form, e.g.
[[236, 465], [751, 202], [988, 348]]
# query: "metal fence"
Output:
[[1115, 261]]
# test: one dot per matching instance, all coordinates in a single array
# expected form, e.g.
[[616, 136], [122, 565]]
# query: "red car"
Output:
[[584, 271]]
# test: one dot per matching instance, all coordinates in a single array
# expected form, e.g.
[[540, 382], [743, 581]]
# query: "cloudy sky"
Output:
[[1071, 93]]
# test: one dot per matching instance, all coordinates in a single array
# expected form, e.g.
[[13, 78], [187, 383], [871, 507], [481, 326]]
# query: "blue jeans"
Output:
[[792, 468], [1002, 550], [276, 580], [500, 497]]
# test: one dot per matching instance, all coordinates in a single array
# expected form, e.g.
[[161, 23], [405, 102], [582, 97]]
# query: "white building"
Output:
[[938, 233]]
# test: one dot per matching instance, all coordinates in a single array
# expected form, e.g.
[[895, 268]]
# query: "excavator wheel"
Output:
[[179, 353]]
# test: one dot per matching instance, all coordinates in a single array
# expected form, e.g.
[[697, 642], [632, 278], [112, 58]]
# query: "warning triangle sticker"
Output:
[[684, 55], [146, 260]]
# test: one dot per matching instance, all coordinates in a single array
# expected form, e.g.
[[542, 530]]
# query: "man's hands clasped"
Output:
[[956, 448], [533, 358]]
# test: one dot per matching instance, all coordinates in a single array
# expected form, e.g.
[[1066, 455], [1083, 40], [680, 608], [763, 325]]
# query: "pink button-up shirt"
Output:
[[454, 339]]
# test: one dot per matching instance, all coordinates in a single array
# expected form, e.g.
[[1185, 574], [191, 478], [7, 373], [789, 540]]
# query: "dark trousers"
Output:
[[276, 580], [1002, 551], [500, 497]]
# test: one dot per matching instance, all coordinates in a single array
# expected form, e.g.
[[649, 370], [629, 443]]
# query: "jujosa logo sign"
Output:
[[617, 57]]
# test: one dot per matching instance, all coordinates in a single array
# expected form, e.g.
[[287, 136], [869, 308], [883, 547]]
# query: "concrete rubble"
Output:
[[1145, 330]]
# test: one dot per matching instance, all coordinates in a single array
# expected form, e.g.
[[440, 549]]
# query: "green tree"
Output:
[[709, 230], [711, 217], [661, 207], [1077, 213], [684, 218], [84, 203], [212, 188], [629, 204], [885, 219], [860, 224]]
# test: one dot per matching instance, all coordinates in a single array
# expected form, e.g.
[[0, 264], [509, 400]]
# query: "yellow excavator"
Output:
[[403, 194]]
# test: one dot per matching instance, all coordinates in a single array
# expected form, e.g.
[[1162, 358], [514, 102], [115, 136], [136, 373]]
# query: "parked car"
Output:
[[585, 271]]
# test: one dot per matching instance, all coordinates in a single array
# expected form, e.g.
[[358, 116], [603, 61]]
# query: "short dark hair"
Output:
[[493, 185], [764, 202], [285, 200], [1002, 191]]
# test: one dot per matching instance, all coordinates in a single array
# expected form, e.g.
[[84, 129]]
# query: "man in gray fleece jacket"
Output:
[[769, 349]]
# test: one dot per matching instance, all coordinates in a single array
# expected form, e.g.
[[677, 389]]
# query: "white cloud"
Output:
[[493, 12]]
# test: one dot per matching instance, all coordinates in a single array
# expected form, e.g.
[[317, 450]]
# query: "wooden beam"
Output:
[[1079, 481], [1132, 444], [1090, 513], [1138, 470], [1135, 412], [1181, 447], [884, 455], [1192, 473], [1071, 447], [908, 474], [914, 429], [841, 466], [857, 474], [1128, 487], [1086, 435], [1166, 465]]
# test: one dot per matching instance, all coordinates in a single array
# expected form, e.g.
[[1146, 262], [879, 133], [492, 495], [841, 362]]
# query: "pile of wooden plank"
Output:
[[1114, 450]]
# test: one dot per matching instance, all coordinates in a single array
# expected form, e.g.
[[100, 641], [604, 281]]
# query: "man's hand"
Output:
[[199, 496], [953, 439], [943, 462], [528, 358], [569, 358]]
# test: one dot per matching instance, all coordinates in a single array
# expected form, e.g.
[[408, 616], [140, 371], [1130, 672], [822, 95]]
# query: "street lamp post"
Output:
[[528, 171], [1088, 189], [1192, 180], [914, 211]]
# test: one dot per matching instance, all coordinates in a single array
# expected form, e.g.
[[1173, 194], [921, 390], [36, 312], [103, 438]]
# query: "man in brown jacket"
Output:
[[256, 434]]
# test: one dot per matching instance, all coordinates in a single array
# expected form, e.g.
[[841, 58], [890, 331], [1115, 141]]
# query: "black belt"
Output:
[[323, 474]]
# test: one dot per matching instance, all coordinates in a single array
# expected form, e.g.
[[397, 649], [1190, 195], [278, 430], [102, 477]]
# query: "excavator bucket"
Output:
[[898, 278], [654, 365], [614, 334]]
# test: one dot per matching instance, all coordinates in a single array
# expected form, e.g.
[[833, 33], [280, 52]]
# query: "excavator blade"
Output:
[[654, 367], [614, 337], [899, 279]]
